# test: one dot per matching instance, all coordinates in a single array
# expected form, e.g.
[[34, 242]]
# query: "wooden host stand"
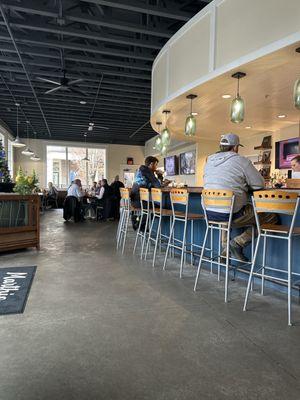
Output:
[[293, 183], [19, 221]]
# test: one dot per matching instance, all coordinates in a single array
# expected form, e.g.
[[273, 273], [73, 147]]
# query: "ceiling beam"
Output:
[[56, 29], [34, 8], [170, 11], [99, 49]]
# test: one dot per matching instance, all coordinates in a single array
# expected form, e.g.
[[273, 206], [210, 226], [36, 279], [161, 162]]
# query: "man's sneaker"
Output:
[[236, 251]]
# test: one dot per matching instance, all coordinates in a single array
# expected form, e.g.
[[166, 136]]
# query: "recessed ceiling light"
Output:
[[91, 124], [281, 116], [82, 102], [194, 113], [248, 127], [226, 96]]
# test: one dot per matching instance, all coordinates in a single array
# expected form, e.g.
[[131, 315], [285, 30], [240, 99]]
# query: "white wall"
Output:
[[115, 156]]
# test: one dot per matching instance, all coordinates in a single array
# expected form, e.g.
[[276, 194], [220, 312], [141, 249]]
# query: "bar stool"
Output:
[[126, 209], [180, 197], [144, 223], [158, 213], [279, 202], [223, 200]]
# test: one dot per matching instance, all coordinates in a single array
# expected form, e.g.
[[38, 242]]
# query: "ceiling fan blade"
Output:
[[47, 80], [101, 127], [79, 125], [75, 81], [53, 90], [77, 91]]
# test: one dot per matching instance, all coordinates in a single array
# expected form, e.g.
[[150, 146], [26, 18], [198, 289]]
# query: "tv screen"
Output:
[[171, 165], [285, 150], [188, 163]]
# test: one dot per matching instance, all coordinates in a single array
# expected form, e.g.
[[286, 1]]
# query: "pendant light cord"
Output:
[[17, 121], [191, 106], [238, 88]]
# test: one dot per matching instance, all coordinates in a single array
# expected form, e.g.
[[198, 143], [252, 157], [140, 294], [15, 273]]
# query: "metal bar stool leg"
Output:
[[157, 240], [289, 280], [169, 244], [227, 265], [201, 257], [150, 236], [183, 248], [263, 265], [125, 229], [251, 273]]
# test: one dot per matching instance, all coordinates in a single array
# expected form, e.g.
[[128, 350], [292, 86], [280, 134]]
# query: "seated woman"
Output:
[[52, 194], [103, 199]]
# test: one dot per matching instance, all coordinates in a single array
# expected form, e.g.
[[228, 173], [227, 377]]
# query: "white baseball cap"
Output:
[[230, 139]]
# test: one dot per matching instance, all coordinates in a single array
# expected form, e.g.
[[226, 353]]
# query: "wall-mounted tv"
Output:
[[188, 163], [285, 150], [171, 165]]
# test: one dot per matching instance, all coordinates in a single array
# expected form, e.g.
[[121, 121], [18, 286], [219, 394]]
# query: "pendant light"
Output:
[[27, 151], [86, 157], [164, 150], [165, 134], [190, 123], [297, 89], [17, 142], [237, 111], [158, 142], [35, 157]]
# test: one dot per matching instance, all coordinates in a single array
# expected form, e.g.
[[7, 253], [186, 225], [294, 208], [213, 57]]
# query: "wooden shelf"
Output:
[[262, 148]]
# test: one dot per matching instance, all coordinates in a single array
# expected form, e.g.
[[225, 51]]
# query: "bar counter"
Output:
[[276, 249]]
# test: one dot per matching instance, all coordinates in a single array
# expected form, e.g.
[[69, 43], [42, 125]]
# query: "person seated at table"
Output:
[[227, 170], [116, 197], [94, 187], [104, 198], [51, 194], [98, 187]]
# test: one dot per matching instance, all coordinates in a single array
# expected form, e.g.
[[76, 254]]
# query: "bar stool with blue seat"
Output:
[[279, 202], [224, 200], [158, 214], [180, 199], [145, 218]]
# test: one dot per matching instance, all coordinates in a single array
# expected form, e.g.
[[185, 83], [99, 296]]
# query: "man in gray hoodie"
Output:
[[228, 170]]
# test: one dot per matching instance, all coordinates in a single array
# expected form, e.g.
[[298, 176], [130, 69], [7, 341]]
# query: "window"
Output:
[[10, 157], [64, 164]]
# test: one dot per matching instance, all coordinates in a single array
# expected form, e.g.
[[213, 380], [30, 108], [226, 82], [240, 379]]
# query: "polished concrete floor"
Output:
[[99, 325]]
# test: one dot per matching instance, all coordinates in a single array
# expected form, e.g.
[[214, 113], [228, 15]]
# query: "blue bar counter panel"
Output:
[[276, 249]]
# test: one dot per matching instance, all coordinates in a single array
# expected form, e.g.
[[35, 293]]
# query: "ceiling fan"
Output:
[[91, 126], [64, 85]]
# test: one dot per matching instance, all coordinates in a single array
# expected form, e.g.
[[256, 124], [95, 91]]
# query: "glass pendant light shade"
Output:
[[35, 158], [237, 111], [165, 137], [190, 122], [17, 142], [158, 143], [164, 150], [190, 126], [28, 152], [297, 94]]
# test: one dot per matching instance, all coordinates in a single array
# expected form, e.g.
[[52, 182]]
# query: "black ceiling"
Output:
[[109, 44]]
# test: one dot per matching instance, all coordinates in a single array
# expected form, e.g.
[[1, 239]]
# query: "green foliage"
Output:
[[26, 184], [4, 171]]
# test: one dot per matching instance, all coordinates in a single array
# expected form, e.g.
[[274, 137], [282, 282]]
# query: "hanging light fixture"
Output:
[[190, 123], [165, 134], [164, 150], [158, 142], [297, 89], [27, 151], [35, 157], [237, 110], [17, 142], [86, 157]]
